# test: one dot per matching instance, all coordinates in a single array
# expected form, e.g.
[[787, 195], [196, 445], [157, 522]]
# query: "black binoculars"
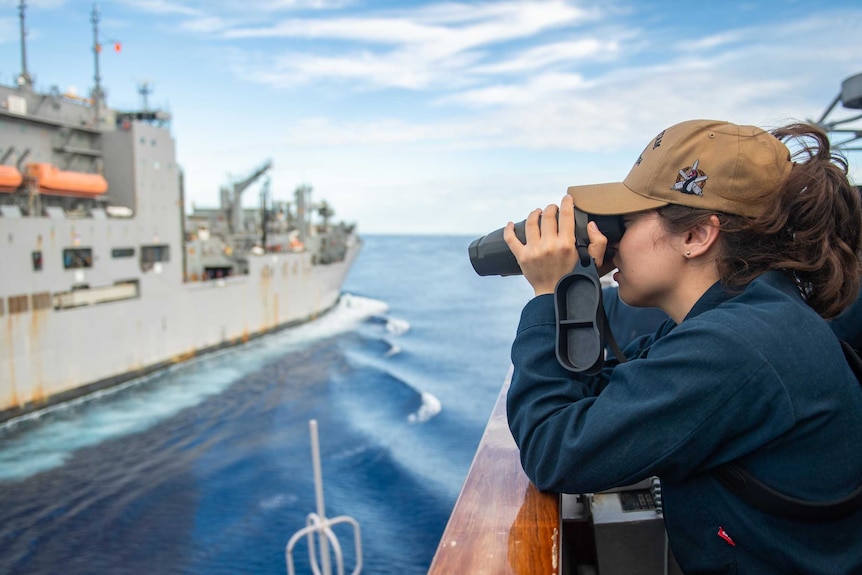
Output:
[[491, 256]]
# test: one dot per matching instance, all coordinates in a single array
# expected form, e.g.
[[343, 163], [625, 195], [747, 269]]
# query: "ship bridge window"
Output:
[[214, 273], [37, 261], [123, 253], [77, 258], [152, 254]]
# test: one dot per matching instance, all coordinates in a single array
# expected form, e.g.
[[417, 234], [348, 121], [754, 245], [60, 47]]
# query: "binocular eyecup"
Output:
[[491, 256]]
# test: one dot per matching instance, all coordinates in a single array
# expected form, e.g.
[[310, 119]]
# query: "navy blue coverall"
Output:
[[755, 377]]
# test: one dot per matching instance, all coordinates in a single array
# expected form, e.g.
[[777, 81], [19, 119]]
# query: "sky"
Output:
[[413, 117]]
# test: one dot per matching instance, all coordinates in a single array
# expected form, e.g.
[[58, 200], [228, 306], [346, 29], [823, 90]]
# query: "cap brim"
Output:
[[611, 199]]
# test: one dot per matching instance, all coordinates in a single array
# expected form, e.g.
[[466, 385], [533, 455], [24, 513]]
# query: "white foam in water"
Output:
[[350, 311], [277, 502], [51, 442], [430, 407], [393, 350], [397, 326]]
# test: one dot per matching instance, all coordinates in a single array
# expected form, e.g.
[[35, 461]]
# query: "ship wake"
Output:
[[45, 439]]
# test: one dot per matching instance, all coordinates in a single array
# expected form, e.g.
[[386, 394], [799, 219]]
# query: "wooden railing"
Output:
[[501, 524]]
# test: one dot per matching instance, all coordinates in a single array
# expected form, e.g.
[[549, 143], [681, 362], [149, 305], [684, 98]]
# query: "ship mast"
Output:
[[145, 90], [24, 79], [97, 94]]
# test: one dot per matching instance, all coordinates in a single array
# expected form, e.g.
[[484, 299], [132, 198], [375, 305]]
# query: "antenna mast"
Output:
[[97, 95], [145, 90], [24, 79]]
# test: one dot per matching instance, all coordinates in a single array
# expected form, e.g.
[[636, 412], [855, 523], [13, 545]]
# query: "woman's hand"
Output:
[[550, 251], [598, 249]]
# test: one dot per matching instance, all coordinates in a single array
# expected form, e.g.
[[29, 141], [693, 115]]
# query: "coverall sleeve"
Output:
[[672, 413]]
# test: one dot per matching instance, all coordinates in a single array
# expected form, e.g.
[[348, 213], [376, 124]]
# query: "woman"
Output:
[[747, 251]]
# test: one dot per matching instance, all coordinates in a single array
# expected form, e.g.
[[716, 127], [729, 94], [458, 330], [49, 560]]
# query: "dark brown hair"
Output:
[[813, 230]]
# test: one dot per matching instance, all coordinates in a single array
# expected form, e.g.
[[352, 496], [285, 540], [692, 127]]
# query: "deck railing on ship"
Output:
[[501, 524]]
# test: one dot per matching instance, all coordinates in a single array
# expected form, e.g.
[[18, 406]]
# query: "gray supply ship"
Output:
[[104, 275]]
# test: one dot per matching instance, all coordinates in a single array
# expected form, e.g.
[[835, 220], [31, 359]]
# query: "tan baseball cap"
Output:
[[701, 164]]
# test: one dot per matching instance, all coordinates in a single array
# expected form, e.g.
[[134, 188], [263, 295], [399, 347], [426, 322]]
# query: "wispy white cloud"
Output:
[[443, 29], [438, 46], [459, 13], [351, 95], [205, 24], [625, 103], [540, 87], [715, 41], [322, 131], [38, 4], [564, 53], [164, 7], [220, 8], [374, 30], [280, 5]]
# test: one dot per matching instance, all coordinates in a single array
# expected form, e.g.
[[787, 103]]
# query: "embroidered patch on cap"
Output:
[[690, 180]]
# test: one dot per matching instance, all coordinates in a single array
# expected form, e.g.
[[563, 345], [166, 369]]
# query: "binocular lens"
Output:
[[491, 256]]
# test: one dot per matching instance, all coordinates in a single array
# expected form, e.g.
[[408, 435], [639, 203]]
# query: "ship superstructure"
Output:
[[105, 277]]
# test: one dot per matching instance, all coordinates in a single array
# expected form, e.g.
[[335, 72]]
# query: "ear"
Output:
[[702, 237]]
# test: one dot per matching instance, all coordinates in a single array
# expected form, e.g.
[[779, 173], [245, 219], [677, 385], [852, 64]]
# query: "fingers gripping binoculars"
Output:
[[582, 326], [491, 256]]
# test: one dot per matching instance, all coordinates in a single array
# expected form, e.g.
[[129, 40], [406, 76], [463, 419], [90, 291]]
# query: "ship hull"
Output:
[[52, 355]]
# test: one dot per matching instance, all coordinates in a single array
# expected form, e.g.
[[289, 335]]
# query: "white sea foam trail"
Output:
[[397, 326], [430, 407], [393, 350], [358, 308], [50, 441], [350, 311]]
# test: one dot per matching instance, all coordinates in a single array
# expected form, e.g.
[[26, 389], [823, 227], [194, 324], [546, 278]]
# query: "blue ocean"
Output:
[[206, 467]]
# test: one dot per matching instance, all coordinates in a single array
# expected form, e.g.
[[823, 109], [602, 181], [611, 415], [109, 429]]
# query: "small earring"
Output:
[[687, 253]]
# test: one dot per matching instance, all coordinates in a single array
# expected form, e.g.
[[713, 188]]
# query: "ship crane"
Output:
[[231, 199], [326, 212]]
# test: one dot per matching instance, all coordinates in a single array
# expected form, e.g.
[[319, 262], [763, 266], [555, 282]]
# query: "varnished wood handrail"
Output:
[[501, 524]]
